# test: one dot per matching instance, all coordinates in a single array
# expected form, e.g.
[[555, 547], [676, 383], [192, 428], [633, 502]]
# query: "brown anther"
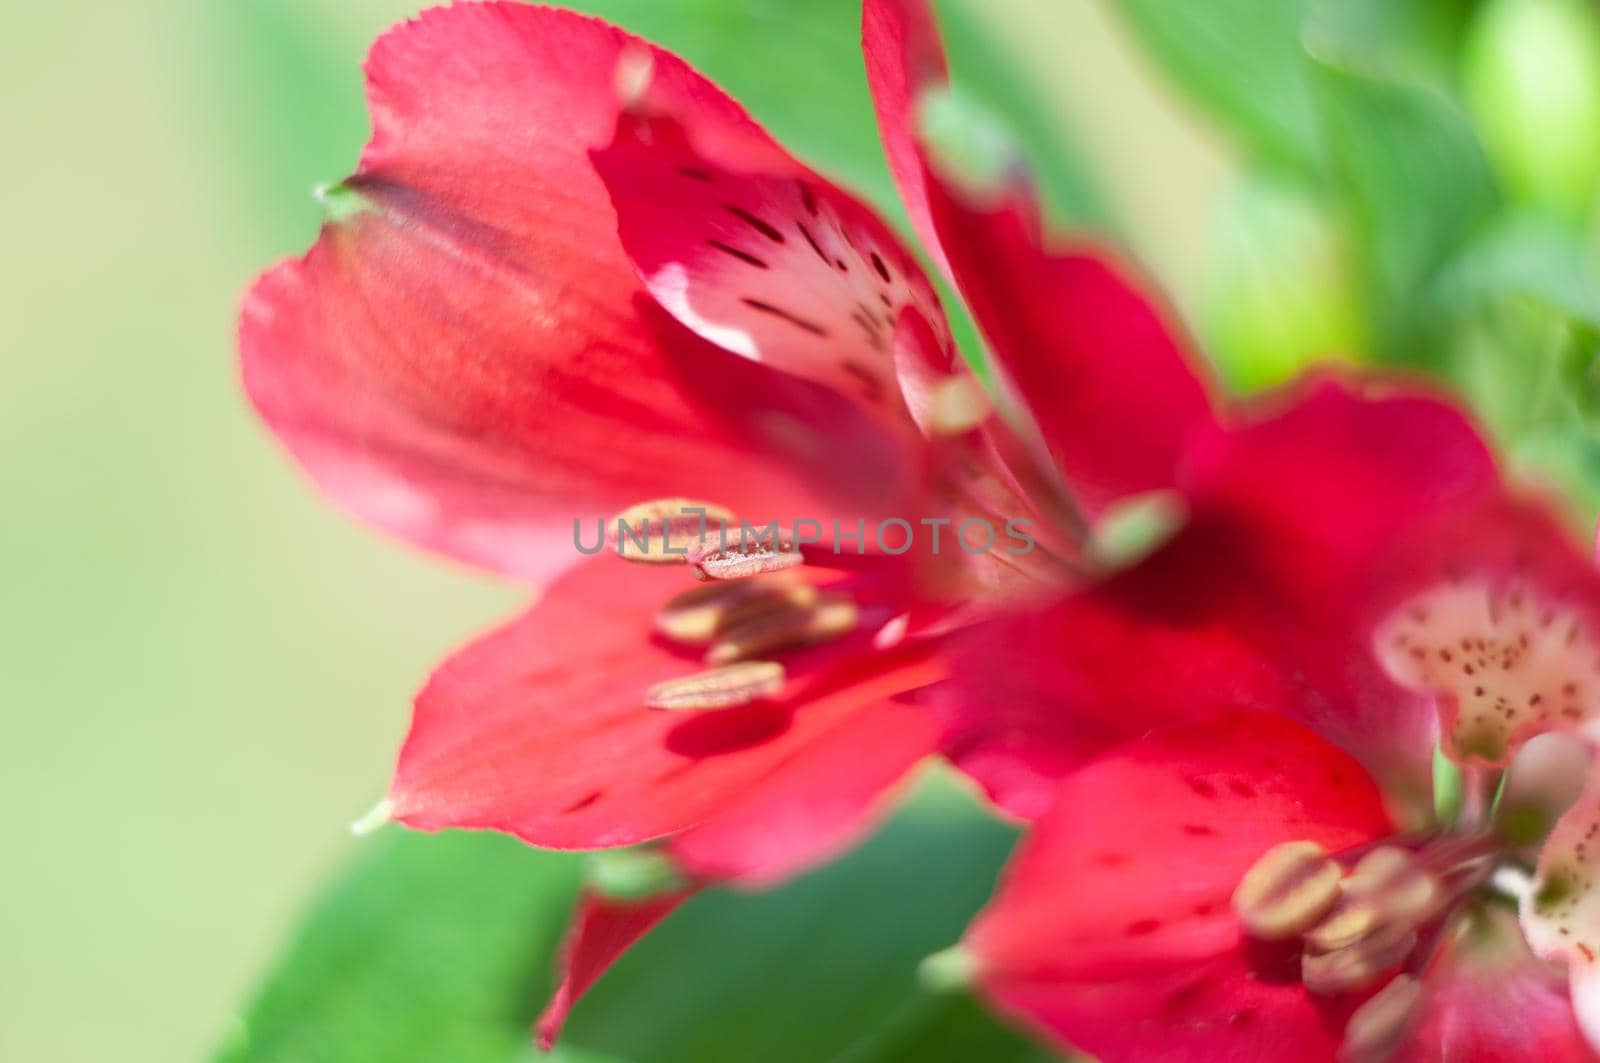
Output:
[[1358, 965], [1286, 891], [720, 688], [741, 561], [698, 615], [1377, 1027], [1391, 881], [829, 617], [664, 531]]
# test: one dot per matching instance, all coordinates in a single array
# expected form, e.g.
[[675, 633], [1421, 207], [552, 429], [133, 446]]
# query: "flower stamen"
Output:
[[821, 620], [699, 616], [1287, 891], [665, 531], [1376, 1028], [720, 688], [747, 559]]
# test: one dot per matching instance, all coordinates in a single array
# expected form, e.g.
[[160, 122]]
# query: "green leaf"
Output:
[[1243, 61], [795, 64], [1416, 182], [822, 969], [440, 947], [1406, 39], [432, 947], [1527, 256]]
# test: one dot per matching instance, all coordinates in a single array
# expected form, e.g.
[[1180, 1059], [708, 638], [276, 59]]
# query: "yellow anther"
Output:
[[786, 628], [1286, 891], [664, 531], [1357, 965], [1390, 880], [698, 615], [720, 688], [1376, 1028], [1349, 923]]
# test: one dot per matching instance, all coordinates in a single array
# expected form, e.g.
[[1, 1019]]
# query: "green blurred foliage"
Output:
[[1415, 185], [1533, 80], [1283, 285], [1242, 60], [1443, 156], [441, 948]]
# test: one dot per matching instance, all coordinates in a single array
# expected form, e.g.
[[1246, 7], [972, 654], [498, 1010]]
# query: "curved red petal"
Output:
[[776, 264], [540, 728], [1097, 361], [1035, 694], [1095, 358], [600, 932], [814, 804], [1113, 932], [464, 358], [1307, 526], [1342, 507], [904, 58], [1487, 998]]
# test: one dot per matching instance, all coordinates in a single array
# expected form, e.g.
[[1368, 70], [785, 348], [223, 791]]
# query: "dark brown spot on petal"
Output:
[[743, 256], [778, 312], [758, 224]]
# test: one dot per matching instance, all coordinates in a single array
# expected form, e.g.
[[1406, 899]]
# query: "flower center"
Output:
[[737, 623], [1502, 662], [1369, 917]]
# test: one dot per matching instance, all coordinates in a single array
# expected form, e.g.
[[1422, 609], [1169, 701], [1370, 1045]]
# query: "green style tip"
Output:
[[949, 970], [339, 201], [633, 874], [379, 815]]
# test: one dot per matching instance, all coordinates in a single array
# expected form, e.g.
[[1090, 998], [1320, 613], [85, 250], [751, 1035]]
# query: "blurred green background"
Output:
[[205, 670]]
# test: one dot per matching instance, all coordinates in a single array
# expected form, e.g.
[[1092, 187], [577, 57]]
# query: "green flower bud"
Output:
[[1532, 79]]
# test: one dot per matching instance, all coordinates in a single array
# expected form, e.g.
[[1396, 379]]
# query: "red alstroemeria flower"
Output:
[[571, 279], [1234, 740]]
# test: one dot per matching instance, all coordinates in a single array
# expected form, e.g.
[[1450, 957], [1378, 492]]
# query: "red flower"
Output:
[[571, 279], [1234, 742]]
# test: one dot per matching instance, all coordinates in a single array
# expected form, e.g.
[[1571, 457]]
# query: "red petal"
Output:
[[601, 931], [816, 803], [1036, 694], [1307, 527], [1488, 999], [1113, 930], [904, 58], [1096, 360], [464, 361], [776, 265], [540, 729], [1341, 508]]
